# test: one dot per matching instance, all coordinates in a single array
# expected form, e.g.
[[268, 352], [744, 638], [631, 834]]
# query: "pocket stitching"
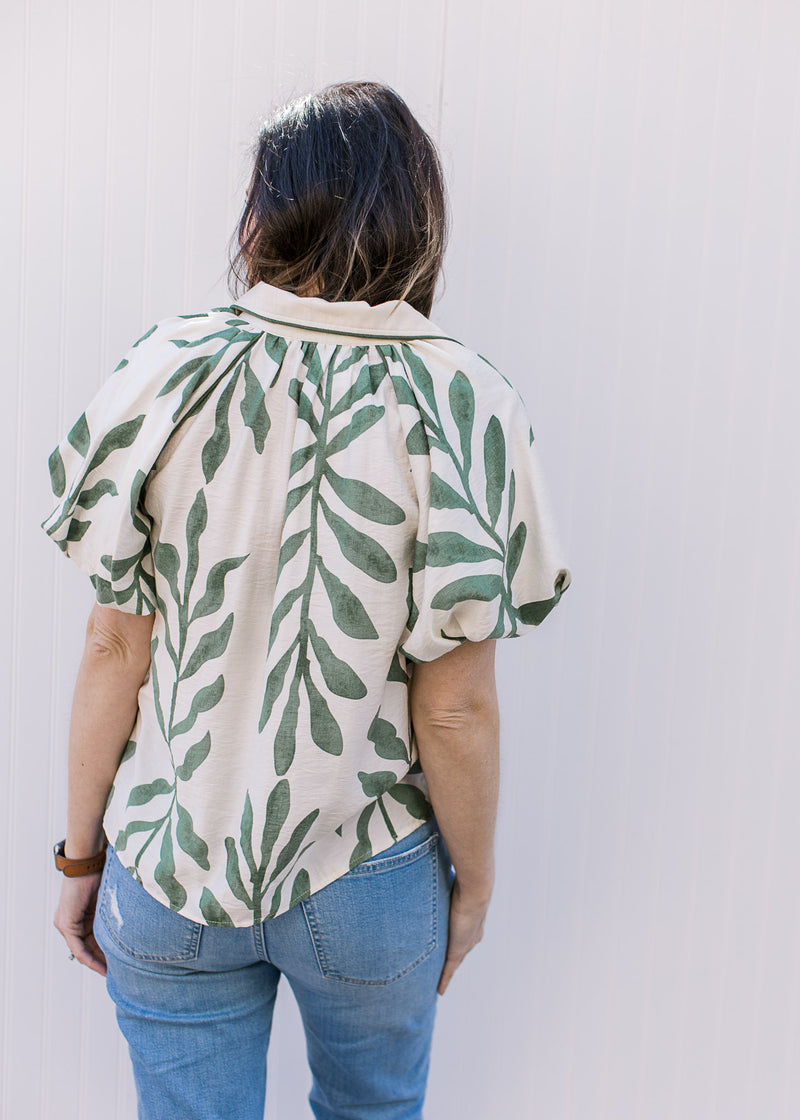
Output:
[[191, 940], [331, 974], [388, 863]]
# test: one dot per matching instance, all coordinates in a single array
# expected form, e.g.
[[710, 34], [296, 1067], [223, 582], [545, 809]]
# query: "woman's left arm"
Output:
[[115, 661]]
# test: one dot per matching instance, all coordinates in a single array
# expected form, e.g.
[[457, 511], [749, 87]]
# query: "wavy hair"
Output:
[[346, 201]]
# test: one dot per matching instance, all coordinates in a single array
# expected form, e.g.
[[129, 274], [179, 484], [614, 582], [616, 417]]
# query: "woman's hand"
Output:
[[74, 918], [467, 915]]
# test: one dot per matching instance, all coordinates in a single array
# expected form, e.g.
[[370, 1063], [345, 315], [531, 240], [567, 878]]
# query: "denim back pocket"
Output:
[[139, 924], [379, 921]]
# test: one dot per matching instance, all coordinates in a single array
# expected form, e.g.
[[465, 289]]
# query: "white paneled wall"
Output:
[[626, 247]]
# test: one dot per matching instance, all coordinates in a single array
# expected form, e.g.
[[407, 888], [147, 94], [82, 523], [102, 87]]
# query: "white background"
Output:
[[624, 179]]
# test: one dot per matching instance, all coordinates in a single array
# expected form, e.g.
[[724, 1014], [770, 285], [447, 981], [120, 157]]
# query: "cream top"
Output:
[[310, 497]]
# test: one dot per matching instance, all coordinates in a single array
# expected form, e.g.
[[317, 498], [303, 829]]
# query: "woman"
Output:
[[307, 516]]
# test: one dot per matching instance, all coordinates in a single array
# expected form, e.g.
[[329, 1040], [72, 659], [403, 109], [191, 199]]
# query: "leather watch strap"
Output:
[[75, 867]]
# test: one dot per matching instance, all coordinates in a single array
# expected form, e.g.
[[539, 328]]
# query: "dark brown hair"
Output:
[[346, 201]]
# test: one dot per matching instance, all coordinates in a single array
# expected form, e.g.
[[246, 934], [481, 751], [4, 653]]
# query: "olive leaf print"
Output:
[[190, 647], [378, 784], [304, 660], [69, 524], [276, 815], [446, 548], [196, 372]]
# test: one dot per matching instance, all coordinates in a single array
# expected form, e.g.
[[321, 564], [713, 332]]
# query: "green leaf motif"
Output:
[[139, 522], [462, 406], [362, 420], [363, 848], [120, 437], [209, 647], [338, 676], [387, 742], [129, 752], [246, 834], [289, 851], [396, 670], [325, 731], [218, 443], [164, 874], [417, 440], [451, 548], [375, 785], [290, 547], [77, 530], [300, 457], [194, 757], [188, 370], [276, 902], [195, 525], [305, 408], [276, 347], [146, 335], [420, 376], [443, 496], [295, 496], [87, 499], [364, 499], [157, 689], [211, 910], [534, 613], [494, 455], [168, 562], [412, 799], [140, 795], [214, 594], [202, 701], [403, 391], [286, 734], [515, 549], [254, 410], [301, 888], [275, 680], [348, 610], [189, 841], [233, 875], [362, 551], [79, 435], [119, 568], [132, 827], [103, 590], [275, 818], [484, 588], [368, 380], [58, 477]]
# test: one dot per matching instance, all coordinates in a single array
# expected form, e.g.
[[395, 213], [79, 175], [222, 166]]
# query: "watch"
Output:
[[74, 867]]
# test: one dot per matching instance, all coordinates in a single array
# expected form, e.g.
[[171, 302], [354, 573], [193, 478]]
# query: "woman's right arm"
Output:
[[456, 724]]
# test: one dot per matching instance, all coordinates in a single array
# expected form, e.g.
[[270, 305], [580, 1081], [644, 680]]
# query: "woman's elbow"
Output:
[[119, 639]]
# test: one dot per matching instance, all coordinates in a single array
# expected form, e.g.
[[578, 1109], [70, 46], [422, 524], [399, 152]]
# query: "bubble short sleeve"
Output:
[[98, 474], [488, 561]]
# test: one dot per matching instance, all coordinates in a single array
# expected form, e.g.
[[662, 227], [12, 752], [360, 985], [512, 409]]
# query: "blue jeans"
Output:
[[363, 957]]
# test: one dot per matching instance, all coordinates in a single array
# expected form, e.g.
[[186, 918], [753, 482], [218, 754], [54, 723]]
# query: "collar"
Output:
[[395, 319]]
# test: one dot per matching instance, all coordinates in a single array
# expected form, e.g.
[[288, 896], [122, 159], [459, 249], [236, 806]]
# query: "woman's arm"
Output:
[[456, 726], [115, 661]]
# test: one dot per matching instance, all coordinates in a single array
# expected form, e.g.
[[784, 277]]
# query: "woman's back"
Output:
[[323, 511], [332, 490]]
